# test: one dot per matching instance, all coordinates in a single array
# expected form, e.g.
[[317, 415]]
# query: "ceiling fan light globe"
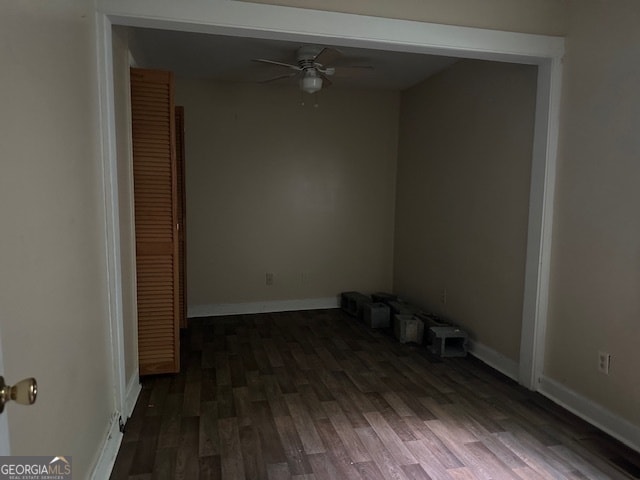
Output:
[[310, 84]]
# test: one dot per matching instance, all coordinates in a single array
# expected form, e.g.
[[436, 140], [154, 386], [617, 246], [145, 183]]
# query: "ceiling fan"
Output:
[[313, 67]]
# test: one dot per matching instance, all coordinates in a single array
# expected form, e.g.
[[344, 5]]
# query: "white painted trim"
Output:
[[108, 452], [494, 359], [288, 23], [262, 307], [110, 203], [592, 412], [539, 238], [134, 387], [111, 445]]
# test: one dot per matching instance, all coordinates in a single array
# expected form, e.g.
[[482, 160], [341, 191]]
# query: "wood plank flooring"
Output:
[[315, 396]]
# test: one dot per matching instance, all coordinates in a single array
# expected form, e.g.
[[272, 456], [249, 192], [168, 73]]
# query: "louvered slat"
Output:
[[154, 172]]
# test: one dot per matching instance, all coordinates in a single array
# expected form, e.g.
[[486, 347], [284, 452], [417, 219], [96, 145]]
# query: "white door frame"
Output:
[[276, 22], [109, 177]]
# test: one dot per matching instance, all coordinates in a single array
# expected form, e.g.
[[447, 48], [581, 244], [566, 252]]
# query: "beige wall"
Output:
[[595, 284], [462, 197], [121, 61], [546, 17], [53, 305], [272, 186]]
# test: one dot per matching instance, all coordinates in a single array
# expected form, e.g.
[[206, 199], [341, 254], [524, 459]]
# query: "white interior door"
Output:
[[4, 425]]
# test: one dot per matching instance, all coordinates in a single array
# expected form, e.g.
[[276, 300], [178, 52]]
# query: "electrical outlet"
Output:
[[604, 362], [269, 278]]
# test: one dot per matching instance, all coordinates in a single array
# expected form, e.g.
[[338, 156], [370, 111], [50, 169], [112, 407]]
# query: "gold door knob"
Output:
[[23, 392]]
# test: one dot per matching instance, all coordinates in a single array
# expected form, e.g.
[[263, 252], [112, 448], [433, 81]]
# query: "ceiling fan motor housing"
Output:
[[307, 54]]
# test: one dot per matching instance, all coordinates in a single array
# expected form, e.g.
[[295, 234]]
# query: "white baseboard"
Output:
[[588, 410], [216, 310], [109, 451], [595, 414], [133, 390], [496, 360], [111, 445]]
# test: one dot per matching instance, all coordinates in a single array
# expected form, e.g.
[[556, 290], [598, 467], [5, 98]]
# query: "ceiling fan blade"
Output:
[[281, 64], [326, 83], [327, 56], [280, 77]]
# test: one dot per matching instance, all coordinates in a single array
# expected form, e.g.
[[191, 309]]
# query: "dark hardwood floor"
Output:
[[316, 395]]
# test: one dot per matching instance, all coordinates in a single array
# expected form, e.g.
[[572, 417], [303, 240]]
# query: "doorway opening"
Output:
[[280, 23]]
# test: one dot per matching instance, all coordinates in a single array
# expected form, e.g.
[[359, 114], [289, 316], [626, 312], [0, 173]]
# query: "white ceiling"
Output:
[[228, 58]]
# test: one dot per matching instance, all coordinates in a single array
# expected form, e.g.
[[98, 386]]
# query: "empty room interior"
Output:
[[259, 219], [411, 174]]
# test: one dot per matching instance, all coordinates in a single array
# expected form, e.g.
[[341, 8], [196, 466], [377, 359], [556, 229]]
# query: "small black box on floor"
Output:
[[447, 341], [352, 303], [382, 297], [376, 315], [408, 328]]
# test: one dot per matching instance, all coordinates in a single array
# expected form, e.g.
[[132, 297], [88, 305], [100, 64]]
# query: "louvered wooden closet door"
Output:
[[154, 174]]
